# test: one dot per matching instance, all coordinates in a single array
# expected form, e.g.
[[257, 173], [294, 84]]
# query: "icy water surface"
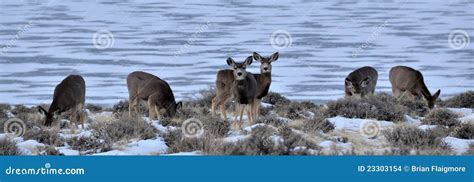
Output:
[[186, 42]]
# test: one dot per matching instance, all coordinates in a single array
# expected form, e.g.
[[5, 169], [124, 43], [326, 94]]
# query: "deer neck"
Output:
[[425, 92]]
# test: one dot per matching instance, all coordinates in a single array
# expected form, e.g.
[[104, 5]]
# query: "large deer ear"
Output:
[[179, 105], [42, 110], [365, 82], [230, 61], [249, 60], [436, 95], [274, 56], [348, 82], [257, 57]]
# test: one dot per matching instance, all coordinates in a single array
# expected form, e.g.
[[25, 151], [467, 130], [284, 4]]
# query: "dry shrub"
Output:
[[215, 126], [260, 142], [464, 131], [380, 106], [295, 110], [44, 135], [178, 142], [125, 128], [463, 100], [8, 147], [318, 123], [272, 120], [275, 99], [94, 108], [93, 144], [441, 116], [408, 138], [122, 107]]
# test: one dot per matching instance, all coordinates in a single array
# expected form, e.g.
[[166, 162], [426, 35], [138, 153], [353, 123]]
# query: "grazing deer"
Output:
[[409, 80], [264, 79], [157, 92], [68, 95], [361, 82]]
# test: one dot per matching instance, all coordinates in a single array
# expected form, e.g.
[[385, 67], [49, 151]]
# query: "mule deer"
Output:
[[68, 95], [410, 81], [225, 79], [244, 88], [264, 79], [157, 93], [361, 82]]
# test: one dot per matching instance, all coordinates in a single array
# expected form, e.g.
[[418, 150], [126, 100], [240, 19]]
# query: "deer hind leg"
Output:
[[151, 109], [157, 112], [80, 109], [213, 106], [257, 108]]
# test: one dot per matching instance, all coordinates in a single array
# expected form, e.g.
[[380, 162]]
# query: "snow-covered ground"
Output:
[[365, 136]]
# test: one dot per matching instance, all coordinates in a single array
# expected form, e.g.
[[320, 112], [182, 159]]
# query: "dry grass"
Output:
[[464, 131], [441, 116], [465, 100], [405, 139], [380, 106], [47, 136], [317, 123], [125, 128], [8, 147]]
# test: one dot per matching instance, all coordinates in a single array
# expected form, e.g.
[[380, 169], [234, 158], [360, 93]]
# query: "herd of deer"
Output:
[[245, 88]]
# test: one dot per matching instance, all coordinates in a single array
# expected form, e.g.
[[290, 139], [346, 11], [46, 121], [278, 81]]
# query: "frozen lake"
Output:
[[186, 42]]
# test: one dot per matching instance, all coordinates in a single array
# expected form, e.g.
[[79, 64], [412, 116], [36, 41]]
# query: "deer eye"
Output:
[[235, 67]]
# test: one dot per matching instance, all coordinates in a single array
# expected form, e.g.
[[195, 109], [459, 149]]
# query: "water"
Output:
[[186, 42]]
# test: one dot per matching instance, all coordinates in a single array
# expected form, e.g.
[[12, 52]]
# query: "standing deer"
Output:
[[68, 95], [361, 82], [244, 88], [409, 80], [264, 79], [157, 92]]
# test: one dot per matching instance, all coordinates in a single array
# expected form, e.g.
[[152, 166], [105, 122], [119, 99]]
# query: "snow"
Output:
[[193, 153], [329, 146], [30, 147], [66, 150], [354, 124], [460, 146], [141, 147]]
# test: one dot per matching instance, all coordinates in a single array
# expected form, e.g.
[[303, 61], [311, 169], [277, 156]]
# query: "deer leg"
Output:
[[213, 106], [81, 114], [257, 108], [157, 112], [130, 106], [241, 112], [151, 109], [249, 113]]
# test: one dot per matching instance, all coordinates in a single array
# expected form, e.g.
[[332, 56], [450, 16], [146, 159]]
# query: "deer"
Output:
[[244, 88], [410, 81], [157, 92], [360, 82], [264, 79], [69, 95], [225, 79]]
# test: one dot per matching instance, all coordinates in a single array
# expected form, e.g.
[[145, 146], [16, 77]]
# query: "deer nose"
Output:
[[239, 73], [265, 68]]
